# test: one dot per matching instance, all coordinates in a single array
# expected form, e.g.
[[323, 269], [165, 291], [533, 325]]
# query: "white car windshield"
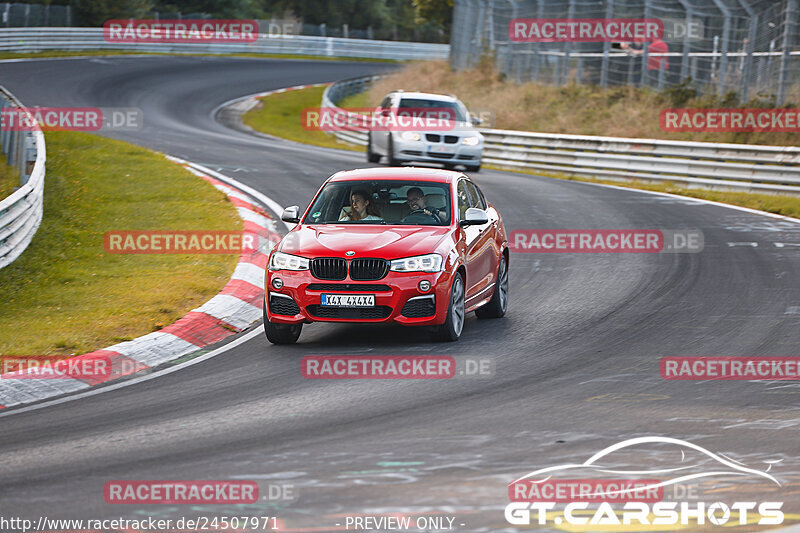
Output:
[[422, 103]]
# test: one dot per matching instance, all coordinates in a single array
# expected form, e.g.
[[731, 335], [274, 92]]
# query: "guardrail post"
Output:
[[788, 39], [3, 132], [567, 47], [749, 48], [645, 49], [537, 56], [687, 42], [29, 160], [11, 155], [606, 48], [723, 62]]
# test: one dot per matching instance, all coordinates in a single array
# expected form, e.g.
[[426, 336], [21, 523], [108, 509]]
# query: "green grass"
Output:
[[65, 294], [287, 106], [9, 179], [80, 53], [281, 115]]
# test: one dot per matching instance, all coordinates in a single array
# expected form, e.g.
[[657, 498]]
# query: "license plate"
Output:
[[438, 149], [347, 300]]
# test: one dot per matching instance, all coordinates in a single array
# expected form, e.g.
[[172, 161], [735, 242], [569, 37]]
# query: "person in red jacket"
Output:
[[655, 62]]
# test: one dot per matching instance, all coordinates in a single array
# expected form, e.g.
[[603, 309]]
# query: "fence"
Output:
[[774, 169], [751, 47], [21, 212], [16, 15], [38, 39]]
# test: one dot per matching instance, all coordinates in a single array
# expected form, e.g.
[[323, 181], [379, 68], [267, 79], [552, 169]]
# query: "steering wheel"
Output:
[[419, 212]]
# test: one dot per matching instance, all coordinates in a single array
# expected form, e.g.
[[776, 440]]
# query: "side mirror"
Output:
[[477, 121], [475, 217], [386, 112], [291, 214]]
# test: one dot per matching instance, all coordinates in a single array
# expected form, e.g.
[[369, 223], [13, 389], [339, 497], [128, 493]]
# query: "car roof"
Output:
[[428, 96], [398, 173]]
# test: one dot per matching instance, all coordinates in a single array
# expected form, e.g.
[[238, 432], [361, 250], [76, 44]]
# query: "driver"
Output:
[[415, 199]]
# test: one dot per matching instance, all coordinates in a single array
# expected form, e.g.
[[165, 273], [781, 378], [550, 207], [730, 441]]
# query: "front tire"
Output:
[[473, 168], [451, 329], [372, 157], [281, 333], [496, 307]]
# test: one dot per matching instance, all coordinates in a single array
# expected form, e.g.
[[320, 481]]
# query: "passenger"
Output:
[[361, 208]]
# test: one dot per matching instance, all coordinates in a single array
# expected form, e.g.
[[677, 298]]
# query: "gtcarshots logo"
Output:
[[584, 504], [606, 241], [180, 31], [177, 492]]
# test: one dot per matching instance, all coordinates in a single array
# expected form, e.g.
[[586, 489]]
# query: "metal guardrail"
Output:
[[76, 39], [335, 93], [732, 166], [21, 212]]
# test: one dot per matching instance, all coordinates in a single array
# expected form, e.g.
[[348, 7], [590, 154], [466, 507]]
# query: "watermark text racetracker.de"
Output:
[[71, 119], [618, 241], [181, 31], [96, 367], [395, 367], [585, 30], [730, 120], [331, 119], [730, 368], [179, 242]]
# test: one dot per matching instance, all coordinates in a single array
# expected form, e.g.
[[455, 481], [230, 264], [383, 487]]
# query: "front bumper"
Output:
[[454, 154], [398, 298]]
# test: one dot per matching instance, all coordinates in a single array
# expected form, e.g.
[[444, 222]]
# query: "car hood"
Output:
[[388, 242]]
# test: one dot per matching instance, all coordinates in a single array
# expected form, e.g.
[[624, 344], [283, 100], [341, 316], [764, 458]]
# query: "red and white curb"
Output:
[[237, 307], [246, 103]]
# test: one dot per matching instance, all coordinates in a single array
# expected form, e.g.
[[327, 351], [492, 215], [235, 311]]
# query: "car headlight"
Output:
[[282, 261], [471, 141], [418, 263], [410, 136]]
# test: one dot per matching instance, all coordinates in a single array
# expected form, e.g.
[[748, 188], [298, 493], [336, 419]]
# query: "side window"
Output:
[[477, 197], [464, 201]]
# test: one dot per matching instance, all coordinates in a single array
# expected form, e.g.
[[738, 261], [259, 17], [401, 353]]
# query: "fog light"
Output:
[[424, 285], [277, 283]]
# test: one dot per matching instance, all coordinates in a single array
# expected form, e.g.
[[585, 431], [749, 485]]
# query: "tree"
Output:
[[96, 12], [438, 12]]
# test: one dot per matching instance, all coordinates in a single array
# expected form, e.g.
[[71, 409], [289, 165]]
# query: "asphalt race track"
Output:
[[576, 358]]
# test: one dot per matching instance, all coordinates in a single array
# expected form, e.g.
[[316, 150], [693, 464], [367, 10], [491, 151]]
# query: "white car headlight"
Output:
[[410, 136], [282, 261], [418, 263], [471, 141]]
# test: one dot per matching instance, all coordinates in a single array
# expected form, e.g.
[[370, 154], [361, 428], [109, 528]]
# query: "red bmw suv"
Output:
[[415, 246]]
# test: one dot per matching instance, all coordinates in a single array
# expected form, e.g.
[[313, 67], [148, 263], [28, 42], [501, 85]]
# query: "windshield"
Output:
[[422, 203], [420, 103]]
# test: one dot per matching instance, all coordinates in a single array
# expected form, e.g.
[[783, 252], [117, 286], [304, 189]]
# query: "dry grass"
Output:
[[575, 109]]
